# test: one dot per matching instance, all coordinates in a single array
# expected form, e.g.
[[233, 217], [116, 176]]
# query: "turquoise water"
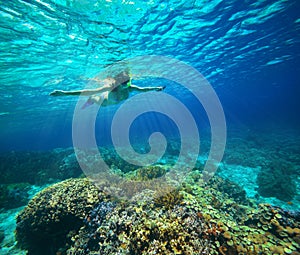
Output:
[[248, 52]]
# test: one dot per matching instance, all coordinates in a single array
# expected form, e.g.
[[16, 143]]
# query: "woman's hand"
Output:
[[160, 88]]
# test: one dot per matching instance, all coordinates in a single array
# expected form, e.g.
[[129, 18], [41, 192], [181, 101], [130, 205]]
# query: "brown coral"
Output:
[[43, 225]]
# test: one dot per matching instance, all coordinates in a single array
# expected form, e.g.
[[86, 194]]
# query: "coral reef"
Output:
[[150, 172], [75, 218], [13, 195], [276, 181], [134, 228], [168, 197], [265, 163], [165, 217], [43, 226], [98, 214], [38, 168], [230, 188]]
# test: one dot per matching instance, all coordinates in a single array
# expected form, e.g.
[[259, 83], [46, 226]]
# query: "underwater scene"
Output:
[[149, 127]]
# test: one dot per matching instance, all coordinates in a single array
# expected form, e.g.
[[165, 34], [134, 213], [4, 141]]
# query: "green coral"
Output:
[[168, 197], [149, 173], [230, 188], [43, 225]]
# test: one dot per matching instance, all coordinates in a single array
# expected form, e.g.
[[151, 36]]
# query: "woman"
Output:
[[113, 90]]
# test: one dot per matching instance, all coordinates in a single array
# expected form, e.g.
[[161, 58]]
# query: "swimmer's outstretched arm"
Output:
[[84, 92], [104, 85], [137, 88]]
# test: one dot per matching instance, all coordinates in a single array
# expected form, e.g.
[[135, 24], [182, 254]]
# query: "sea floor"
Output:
[[266, 166]]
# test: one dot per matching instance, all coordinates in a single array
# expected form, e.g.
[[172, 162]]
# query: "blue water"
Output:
[[249, 52]]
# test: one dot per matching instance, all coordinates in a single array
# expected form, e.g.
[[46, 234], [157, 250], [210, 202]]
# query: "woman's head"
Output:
[[122, 77]]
